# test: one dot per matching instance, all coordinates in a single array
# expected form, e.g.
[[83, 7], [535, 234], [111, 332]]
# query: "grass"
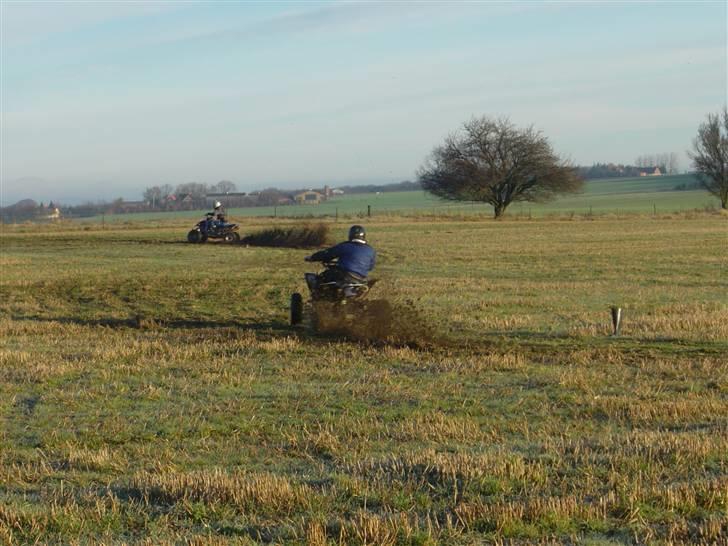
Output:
[[151, 391]]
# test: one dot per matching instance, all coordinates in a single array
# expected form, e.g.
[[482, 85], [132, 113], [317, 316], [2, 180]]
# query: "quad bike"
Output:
[[209, 228], [340, 306]]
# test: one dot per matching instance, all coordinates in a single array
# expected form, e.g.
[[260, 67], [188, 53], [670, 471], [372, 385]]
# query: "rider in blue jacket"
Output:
[[354, 258]]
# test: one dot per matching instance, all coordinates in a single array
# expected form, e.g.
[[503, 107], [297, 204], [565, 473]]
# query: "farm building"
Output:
[[309, 198], [651, 171]]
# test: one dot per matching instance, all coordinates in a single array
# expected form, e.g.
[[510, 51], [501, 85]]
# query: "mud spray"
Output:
[[388, 320]]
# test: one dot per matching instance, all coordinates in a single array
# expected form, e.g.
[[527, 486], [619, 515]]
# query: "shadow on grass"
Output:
[[409, 333], [213, 242], [541, 346], [142, 322], [160, 502]]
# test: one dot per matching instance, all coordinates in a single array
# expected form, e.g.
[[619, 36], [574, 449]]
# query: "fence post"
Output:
[[616, 319], [337, 213], [369, 211], [275, 211], [654, 209], [103, 221]]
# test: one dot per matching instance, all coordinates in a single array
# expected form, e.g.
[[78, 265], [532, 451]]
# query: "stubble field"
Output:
[[152, 392]]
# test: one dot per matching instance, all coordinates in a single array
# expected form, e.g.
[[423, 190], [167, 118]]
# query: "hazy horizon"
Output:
[[100, 100]]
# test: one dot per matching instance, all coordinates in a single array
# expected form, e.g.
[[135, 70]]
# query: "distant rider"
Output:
[[354, 258], [219, 212]]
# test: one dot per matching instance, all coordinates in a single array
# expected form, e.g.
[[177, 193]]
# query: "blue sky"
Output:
[[102, 99]]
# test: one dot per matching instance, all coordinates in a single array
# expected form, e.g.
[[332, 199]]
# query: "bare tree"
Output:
[[225, 186], [195, 189], [710, 155], [493, 161], [153, 196], [166, 190], [667, 162], [673, 163]]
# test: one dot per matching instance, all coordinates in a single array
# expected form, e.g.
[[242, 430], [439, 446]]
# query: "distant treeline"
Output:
[[612, 170]]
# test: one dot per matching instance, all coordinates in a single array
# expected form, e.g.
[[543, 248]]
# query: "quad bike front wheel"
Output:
[[194, 236], [296, 309]]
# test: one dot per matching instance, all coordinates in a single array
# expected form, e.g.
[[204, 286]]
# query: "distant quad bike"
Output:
[[340, 306], [208, 228]]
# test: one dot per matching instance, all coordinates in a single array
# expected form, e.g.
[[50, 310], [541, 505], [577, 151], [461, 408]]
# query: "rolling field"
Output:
[[600, 197], [151, 391]]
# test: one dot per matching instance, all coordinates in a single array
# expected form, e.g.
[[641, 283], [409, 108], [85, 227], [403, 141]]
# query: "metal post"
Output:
[[616, 319], [337, 213]]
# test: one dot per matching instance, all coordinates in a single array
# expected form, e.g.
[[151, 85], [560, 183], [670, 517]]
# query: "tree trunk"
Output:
[[499, 209]]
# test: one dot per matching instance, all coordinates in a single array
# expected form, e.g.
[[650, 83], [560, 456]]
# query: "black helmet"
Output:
[[357, 233]]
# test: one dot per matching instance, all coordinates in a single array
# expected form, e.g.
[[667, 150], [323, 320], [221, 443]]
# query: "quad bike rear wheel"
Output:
[[296, 309], [231, 237]]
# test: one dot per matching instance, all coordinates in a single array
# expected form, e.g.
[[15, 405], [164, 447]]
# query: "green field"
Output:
[[152, 392], [612, 196]]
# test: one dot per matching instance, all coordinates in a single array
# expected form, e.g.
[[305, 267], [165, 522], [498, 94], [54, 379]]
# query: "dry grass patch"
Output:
[[248, 492], [438, 427], [449, 469]]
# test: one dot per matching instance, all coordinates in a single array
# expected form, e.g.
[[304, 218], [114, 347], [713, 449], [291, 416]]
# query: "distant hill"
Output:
[[374, 188], [24, 204], [610, 184], [641, 184]]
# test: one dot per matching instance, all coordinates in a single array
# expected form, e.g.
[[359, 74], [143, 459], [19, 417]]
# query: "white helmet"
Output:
[[218, 204]]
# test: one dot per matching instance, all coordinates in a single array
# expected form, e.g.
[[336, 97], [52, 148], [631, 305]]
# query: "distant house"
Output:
[[309, 198], [187, 202], [651, 171], [52, 212]]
